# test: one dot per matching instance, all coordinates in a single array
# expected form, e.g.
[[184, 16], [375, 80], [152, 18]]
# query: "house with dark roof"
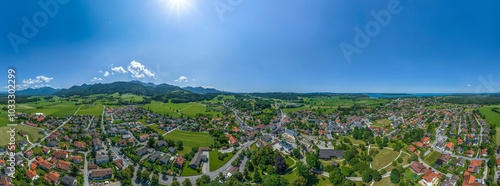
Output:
[[101, 159], [69, 181], [141, 151], [330, 153], [197, 160], [154, 156], [165, 159]]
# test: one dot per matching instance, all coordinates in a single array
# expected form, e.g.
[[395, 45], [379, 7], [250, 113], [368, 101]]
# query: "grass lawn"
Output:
[[491, 116], [316, 179], [160, 109], [432, 158], [33, 133], [56, 109], [497, 135], [214, 161], [188, 171], [289, 162], [95, 110], [381, 123], [383, 158], [354, 141], [190, 139], [384, 181], [159, 131]]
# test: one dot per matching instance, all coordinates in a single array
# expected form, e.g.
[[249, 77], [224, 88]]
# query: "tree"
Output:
[[145, 175], [312, 160], [299, 181], [187, 182], [280, 165], [151, 142], [139, 174], [492, 162], [74, 170], [238, 176], [250, 166], [346, 171], [296, 153], [395, 176], [302, 169], [256, 177], [336, 177], [367, 176], [175, 183], [179, 145], [275, 180], [155, 180], [205, 179], [376, 175]]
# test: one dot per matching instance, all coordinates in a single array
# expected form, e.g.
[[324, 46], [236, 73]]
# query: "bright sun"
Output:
[[178, 6]]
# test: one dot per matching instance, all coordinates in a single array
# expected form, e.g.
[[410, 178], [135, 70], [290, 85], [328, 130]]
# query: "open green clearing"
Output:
[[56, 109], [33, 134], [188, 171], [95, 110], [316, 179], [491, 116], [176, 109], [497, 135], [336, 101], [319, 109], [432, 158], [384, 182], [383, 158], [190, 139], [214, 161], [381, 123]]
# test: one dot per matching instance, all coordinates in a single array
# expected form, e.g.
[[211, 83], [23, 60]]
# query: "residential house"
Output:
[[179, 162], [69, 181], [99, 174], [329, 153], [101, 159]]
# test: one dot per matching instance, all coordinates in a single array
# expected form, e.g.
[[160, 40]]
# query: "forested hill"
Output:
[[120, 87]]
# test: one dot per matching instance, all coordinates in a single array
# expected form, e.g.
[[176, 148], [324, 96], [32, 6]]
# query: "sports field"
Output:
[[381, 123], [190, 139]]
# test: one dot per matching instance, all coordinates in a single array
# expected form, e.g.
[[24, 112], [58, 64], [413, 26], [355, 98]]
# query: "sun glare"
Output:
[[179, 6]]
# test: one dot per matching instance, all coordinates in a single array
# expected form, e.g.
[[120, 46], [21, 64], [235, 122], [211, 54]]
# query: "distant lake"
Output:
[[390, 95]]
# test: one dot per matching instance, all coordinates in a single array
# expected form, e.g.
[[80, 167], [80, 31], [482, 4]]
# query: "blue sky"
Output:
[[258, 45]]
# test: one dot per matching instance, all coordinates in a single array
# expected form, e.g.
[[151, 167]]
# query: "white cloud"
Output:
[[96, 79], [38, 79], [139, 71], [99, 71], [207, 87], [468, 85], [37, 82], [106, 74], [119, 69], [182, 79]]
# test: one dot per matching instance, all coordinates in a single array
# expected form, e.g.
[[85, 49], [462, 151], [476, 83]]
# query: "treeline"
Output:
[[19, 99], [183, 97], [484, 99]]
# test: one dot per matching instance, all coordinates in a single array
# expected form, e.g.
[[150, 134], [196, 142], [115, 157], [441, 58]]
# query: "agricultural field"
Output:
[[56, 109], [491, 116], [190, 139], [319, 109], [95, 110], [32, 133], [176, 109], [336, 101], [160, 109]]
